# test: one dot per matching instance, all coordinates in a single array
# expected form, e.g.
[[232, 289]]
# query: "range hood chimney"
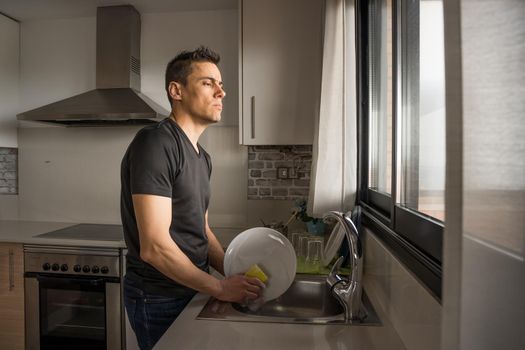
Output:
[[117, 99]]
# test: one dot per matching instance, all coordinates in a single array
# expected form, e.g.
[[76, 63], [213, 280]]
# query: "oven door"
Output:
[[68, 312]]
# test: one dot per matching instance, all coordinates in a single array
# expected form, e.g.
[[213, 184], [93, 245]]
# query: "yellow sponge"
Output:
[[256, 272]]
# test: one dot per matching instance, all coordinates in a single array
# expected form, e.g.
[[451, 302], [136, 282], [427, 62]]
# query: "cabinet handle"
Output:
[[11, 270], [253, 116]]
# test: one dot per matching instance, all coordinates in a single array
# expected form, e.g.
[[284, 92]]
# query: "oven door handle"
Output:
[[61, 281]]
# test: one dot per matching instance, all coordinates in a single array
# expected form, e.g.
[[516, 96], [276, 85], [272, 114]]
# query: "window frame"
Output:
[[415, 238]]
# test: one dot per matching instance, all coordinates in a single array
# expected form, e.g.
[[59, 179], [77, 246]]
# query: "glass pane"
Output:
[[380, 95], [70, 316], [421, 104], [494, 147]]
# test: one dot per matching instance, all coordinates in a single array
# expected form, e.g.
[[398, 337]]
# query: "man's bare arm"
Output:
[[215, 251], [158, 249]]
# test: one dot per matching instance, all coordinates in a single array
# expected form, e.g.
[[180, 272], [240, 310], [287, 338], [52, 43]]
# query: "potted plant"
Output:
[[315, 226]]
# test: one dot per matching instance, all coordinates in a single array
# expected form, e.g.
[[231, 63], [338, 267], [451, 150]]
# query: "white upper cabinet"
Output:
[[9, 80], [280, 70]]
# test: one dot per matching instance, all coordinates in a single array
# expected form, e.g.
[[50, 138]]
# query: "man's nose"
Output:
[[220, 92]]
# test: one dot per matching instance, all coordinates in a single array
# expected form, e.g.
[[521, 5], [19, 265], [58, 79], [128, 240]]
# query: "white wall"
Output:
[[165, 35], [72, 174], [484, 260], [493, 268], [9, 80], [57, 60], [58, 56], [8, 207], [412, 311]]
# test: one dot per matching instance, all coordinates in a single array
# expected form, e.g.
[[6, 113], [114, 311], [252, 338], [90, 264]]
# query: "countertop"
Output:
[[18, 231], [189, 333]]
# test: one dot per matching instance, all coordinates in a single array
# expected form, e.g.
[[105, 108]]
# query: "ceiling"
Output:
[[25, 10]]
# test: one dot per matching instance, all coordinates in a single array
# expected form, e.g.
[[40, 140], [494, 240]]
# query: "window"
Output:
[[380, 92], [421, 108], [402, 129]]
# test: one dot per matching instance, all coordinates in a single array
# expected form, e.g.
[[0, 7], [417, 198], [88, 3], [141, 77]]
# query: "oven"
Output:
[[73, 298]]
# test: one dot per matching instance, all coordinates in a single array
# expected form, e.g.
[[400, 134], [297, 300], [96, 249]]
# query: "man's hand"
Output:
[[239, 289]]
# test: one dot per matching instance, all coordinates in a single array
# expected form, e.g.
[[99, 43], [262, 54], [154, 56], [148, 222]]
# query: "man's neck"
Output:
[[191, 128]]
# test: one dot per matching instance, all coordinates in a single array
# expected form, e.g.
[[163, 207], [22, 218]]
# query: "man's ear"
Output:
[[175, 90]]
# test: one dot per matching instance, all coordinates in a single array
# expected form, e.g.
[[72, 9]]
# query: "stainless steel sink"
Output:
[[308, 300]]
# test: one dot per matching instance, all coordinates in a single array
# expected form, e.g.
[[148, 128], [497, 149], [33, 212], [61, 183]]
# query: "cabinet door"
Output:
[[281, 70], [11, 296], [9, 80]]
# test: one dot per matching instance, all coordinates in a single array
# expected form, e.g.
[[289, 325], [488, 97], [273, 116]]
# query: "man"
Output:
[[165, 177]]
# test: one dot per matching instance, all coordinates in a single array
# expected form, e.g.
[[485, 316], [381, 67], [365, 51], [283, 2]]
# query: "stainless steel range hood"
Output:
[[117, 99]]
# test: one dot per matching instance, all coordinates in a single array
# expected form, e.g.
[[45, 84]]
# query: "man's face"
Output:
[[202, 95]]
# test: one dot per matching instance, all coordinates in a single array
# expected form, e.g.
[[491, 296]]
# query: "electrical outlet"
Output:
[[282, 173]]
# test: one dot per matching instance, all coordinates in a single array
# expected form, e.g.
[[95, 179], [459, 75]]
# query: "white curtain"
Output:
[[333, 183]]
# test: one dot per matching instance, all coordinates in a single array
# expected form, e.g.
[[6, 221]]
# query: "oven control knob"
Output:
[[55, 267], [86, 268], [46, 266], [95, 269], [77, 268], [64, 267], [104, 269]]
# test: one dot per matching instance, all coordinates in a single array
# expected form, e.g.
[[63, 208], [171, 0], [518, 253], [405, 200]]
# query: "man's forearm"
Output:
[[215, 252], [172, 262]]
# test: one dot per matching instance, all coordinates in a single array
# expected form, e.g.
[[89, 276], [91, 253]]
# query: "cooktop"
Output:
[[97, 232]]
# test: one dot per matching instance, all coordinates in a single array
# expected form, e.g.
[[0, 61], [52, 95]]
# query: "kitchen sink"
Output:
[[308, 300]]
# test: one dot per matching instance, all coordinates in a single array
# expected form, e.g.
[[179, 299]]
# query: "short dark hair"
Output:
[[180, 67]]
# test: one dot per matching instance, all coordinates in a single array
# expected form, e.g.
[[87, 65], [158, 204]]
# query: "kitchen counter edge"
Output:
[[187, 332], [24, 232]]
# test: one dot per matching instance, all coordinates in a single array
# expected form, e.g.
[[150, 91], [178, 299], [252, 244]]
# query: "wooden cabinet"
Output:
[[280, 70], [9, 80], [11, 296]]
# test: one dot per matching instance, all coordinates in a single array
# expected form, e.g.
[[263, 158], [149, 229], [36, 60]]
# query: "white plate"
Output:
[[271, 251], [333, 244]]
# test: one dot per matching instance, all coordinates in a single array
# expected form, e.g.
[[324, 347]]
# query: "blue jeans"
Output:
[[150, 315]]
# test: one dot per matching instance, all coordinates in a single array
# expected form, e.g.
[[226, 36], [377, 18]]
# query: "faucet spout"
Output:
[[348, 291]]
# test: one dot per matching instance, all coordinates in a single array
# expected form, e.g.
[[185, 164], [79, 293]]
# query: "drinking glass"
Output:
[[295, 241], [303, 246], [314, 255]]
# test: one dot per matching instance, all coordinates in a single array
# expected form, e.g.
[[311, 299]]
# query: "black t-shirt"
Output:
[[162, 161]]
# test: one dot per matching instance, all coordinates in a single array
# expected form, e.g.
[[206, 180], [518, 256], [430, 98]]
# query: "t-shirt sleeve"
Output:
[[151, 162]]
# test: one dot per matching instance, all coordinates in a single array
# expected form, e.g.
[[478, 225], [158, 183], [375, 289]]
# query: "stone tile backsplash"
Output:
[[8, 170], [279, 172]]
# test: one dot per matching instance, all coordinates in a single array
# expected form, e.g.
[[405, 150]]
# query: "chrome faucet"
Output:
[[347, 291]]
